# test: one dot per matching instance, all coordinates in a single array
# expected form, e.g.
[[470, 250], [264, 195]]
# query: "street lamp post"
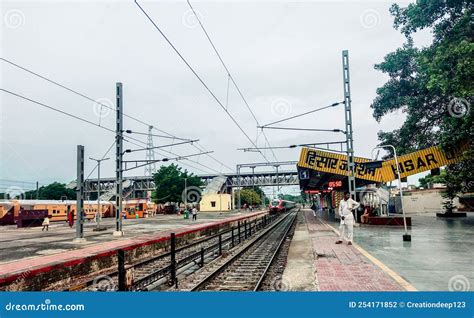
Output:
[[98, 190], [406, 236]]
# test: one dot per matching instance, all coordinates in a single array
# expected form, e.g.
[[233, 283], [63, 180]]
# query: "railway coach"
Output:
[[57, 210], [280, 206]]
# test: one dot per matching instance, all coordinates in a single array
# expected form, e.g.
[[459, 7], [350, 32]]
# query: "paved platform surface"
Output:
[[299, 268], [440, 256], [337, 267], [27, 248]]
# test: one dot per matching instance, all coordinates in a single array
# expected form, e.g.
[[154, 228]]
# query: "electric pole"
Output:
[[348, 120], [80, 196], [99, 215], [118, 159]]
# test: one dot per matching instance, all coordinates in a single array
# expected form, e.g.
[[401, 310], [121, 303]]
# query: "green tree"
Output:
[[53, 191], [248, 196], [426, 180], [169, 185], [257, 190], [433, 84]]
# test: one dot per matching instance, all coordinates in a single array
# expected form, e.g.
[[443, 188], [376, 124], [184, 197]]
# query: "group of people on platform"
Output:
[[190, 211]]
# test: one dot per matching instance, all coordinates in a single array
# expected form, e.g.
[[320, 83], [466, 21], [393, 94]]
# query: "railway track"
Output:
[[246, 269], [156, 271]]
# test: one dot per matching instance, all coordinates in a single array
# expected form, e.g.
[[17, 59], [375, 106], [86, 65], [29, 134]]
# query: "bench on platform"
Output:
[[388, 220]]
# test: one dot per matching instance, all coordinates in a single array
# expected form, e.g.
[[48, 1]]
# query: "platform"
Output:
[[321, 265], [389, 220], [27, 252], [439, 258]]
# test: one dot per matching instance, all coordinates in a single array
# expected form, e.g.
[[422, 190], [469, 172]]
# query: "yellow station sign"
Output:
[[335, 163], [409, 164], [419, 161]]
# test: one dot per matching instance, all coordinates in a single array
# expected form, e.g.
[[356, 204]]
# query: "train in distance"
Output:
[[280, 206]]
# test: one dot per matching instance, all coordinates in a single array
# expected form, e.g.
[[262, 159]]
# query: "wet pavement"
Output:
[[439, 258], [315, 262], [16, 244]]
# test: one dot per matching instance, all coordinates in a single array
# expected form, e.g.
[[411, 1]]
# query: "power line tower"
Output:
[[150, 169]]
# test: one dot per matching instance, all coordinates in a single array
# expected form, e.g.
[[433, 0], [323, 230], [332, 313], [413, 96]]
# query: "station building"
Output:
[[217, 202], [213, 199]]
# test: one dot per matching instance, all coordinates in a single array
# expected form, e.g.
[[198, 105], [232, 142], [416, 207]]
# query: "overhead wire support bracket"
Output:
[[163, 146], [304, 129], [302, 114], [128, 131], [148, 162], [295, 146]]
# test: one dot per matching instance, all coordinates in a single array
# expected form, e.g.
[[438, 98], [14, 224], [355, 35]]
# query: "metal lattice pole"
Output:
[[348, 120], [150, 169]]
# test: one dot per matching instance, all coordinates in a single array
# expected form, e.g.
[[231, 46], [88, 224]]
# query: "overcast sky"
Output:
[[285, 56]]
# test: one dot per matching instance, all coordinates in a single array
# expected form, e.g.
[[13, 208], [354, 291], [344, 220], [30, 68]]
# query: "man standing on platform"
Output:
[[346, 229]]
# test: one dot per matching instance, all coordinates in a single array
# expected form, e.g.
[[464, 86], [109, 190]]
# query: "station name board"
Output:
[[409, 164]]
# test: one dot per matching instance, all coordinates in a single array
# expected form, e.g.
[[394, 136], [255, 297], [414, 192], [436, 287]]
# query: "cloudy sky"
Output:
[[284, 55]]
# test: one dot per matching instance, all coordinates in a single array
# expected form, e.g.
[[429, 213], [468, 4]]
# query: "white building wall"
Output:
[[424, 201]]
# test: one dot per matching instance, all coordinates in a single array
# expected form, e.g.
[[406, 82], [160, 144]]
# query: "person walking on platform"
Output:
[[70, 218], [45, 224], [346, 229], [195, 213]]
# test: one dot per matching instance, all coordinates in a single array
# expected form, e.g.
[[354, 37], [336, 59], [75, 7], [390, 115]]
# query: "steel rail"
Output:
[[201, 284], [277, 250], [162, 271]]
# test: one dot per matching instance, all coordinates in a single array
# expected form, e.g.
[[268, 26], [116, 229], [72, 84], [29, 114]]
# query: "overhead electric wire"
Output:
[[128, 131], [56, 109], [198, 77], [297, 145], [229, 74], [162, 146], [304, 129], [71, 90], [88, 122], [16, 181], [91, 99], [148, 162], [103, 157], [203, 149], [303, 114]]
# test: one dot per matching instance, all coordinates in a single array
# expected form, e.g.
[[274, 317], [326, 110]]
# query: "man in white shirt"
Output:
[[346, 229]]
